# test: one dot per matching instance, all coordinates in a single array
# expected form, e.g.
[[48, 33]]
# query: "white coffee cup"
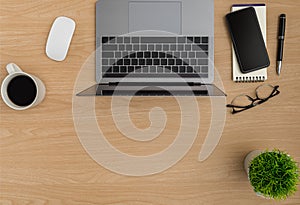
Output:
[[14, 71]]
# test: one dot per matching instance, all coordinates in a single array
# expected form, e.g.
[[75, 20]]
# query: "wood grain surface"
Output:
[[43, 162]]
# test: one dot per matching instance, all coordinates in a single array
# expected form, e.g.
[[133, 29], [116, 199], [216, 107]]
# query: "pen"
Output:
[[281, 33]]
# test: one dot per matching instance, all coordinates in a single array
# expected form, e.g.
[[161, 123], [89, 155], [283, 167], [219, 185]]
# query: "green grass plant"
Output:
[[274, 174]]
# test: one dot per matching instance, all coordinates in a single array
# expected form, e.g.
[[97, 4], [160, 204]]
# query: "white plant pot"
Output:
[[247, 161]]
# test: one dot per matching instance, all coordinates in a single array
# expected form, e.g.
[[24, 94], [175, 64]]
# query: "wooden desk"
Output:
[[43, 162]]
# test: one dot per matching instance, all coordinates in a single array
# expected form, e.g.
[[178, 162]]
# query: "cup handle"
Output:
[[12, 68]]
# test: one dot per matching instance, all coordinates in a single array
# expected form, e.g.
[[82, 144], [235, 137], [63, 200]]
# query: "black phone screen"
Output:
[[247, 40]]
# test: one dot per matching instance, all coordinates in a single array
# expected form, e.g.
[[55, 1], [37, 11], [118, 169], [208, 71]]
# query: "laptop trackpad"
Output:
[[158, 16]]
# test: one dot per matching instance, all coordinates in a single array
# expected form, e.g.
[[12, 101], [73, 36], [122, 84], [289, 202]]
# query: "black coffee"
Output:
[[21, 90]]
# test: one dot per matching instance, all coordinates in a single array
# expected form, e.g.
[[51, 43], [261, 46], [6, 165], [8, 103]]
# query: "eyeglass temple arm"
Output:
[[236, 106]]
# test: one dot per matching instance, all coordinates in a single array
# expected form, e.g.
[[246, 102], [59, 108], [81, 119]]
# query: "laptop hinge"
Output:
[[112, 83], [195, 84], [116, 83], [108, 83]]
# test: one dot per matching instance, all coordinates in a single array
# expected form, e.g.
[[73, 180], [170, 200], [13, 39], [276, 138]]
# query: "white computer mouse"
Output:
[[59, 38]]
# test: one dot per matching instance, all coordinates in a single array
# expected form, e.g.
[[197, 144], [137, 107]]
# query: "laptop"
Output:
[[154, 48]]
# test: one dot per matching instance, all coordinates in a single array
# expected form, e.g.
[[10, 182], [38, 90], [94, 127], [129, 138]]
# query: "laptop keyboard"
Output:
[[155, 56]]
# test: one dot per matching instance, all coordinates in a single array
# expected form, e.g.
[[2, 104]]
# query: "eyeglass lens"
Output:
[[241, 100], [264, 91]]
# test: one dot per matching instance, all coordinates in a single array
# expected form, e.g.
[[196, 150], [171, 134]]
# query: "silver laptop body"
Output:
[[145, 44]]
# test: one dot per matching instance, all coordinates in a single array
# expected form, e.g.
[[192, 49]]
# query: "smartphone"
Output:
[[247, 39]]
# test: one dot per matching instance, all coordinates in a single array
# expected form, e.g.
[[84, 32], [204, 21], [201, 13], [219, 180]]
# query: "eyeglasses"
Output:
[[244, 102]]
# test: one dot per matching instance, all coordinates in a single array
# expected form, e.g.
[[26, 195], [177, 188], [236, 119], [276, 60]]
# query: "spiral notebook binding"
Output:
[[250, 79]]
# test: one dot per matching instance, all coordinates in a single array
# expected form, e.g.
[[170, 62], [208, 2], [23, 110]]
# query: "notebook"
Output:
[[259, 75]]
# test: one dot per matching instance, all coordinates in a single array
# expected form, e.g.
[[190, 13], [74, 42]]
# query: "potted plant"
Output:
[[272, 174]]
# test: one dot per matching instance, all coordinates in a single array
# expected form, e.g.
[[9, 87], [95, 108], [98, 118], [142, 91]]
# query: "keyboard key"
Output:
[[201, 55], [105, 39], [178, 62], [158, 39], [152, 69], [132, 55], [154, 54], [156, 62], [176, 54], [118, 54], [196, 48], [135, 40], [107, 69], [112, 61], [204, 39], [119, 39], [181, 40], [108, 54], [151, 47], [107, 47], [120, 62], [162, 55], [121, 47], [188, 47], [158, 47], [123, 69], [168, 69], [190, 39], [192, 55], [136, 47], [104, 62], [112, 39], [204, 69], [203, 47], [186, 61], [128, 54], [142, 61], [171, 62], [164, 62], [202, 61], [128, 47], [116, 69], [183, 55], [166, 47], [173, 47], [189, 69], [193, 61], [197, 40], [130, 69], [180, 47], [140, 55], [160, 69], [134, 61], [126, 39], [149, 62], [124, 54], [138, 69], [143, 47], [169, 55], [147, 54], [182, 69], [145, 69], [175, 69], [126, 61], [197, 69]]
